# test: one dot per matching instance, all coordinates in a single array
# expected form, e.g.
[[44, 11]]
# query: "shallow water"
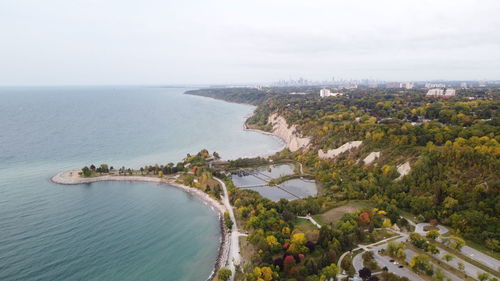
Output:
[[109, 230]]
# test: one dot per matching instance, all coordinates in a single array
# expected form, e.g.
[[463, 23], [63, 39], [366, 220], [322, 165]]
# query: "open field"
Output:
[[336, 213], [304, 225]]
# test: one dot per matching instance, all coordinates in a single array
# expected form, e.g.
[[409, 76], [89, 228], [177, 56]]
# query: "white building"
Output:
[[407, 85], [441, 93], [450, 93], [326, 93], [434, 85]]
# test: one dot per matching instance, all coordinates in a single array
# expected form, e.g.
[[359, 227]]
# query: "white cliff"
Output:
[[288, 133], [371, 157], [403, 170], [332, 153]]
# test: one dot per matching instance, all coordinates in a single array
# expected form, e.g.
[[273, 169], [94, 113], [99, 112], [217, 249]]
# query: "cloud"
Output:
[[195, 41]]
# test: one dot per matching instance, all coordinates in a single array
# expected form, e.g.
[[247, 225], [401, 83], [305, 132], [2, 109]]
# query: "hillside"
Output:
[[451, 146]]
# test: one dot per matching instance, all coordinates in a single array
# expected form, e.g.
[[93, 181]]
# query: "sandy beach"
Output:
[[287, 134]]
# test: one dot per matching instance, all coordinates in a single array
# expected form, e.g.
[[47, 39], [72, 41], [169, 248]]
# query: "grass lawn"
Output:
[[336, 213], [304, 225], [382, 234], [247, 250]]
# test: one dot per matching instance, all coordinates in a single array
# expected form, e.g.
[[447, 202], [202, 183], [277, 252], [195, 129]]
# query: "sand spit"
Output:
[[73, 178], [288, 133], [332, 153]]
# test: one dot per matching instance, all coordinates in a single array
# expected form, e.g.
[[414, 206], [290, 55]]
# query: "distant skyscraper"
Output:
[[406, 85]]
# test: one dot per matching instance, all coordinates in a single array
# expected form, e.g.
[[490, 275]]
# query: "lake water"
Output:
[[109, 230]]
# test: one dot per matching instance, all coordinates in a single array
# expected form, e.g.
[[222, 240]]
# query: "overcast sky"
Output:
[[61, 42]]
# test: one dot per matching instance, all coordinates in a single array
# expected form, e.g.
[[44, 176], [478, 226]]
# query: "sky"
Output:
[[110, 42]]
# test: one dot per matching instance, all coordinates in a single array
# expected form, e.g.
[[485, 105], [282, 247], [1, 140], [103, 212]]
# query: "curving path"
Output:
[[312, 220], [234, 257]]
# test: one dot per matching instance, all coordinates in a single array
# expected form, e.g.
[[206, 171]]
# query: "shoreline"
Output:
[[247, 129], [72, 178]]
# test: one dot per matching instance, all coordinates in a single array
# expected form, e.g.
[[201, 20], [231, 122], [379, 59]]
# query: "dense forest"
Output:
[[451, 144]]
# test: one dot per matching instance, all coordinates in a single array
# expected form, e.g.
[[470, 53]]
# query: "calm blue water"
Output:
[[111, 230]]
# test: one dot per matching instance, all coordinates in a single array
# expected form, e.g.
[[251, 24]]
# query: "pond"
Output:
[[257, 179], [261, 175]]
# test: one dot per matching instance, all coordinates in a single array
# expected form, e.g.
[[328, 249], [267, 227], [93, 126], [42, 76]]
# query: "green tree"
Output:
[[432, 249], [448, 257], [346, 265], [421, 262], [367, 256], [461, 266], [227, 220], [86, 172], [456, 243], [104, 168], [387, 223], [330, 271], [432, 235], [224, 274], [483, 276], [439, 275]]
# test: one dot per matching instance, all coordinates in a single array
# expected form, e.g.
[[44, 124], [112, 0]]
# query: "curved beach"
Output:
[[73, 178], [285, 133]]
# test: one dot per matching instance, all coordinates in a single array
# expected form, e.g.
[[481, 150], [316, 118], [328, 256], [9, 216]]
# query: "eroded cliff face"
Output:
[[288, 133], [332, 153], [371, 157], [403, 169]]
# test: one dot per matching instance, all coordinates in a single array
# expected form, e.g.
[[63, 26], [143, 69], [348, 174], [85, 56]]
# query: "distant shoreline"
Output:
[[246, 128], [73, 178]]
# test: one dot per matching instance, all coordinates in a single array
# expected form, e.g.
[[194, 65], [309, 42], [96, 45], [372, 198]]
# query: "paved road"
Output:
[[357, 262], [466, 250], [384, 261], [234, 256], [469, 269], [472, 253], [490, 262], [449, 275]]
